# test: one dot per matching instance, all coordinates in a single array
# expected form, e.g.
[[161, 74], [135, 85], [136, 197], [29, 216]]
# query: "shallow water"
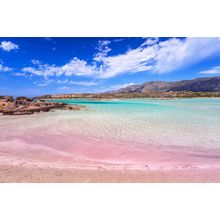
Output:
[[191, 123], [128, 131]]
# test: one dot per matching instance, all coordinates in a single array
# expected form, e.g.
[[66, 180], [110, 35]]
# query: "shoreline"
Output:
[[121, 98], [149, 94], [177, 167]]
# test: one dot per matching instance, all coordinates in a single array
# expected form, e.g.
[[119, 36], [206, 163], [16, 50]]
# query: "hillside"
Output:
[[208, 84]]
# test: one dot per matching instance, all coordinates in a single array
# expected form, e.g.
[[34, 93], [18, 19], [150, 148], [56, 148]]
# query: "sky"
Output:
[[38, 66]]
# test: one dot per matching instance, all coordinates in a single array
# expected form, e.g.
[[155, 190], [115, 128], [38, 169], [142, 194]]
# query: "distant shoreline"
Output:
[[156, 95], [119, 98]]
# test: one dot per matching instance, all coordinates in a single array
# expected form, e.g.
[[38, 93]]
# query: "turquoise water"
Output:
[[187, 123], [125, 131]]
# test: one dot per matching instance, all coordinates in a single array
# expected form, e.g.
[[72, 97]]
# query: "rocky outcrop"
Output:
[[25, 106]]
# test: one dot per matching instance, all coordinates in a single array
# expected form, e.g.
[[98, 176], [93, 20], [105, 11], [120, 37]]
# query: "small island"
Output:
[[26, 106]]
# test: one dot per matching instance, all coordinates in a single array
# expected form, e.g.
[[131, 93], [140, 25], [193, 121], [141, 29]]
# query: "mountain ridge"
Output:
[[204, 84]]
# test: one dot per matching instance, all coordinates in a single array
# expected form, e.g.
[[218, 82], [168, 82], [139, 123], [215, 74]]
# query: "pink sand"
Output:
[[42, 144], [82, 152]]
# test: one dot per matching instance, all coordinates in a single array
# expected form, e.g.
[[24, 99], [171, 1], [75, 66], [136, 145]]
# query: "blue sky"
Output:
[[36, 66]]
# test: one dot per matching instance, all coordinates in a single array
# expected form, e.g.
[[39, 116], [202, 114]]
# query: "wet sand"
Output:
[[23, 162], [53, 158], [22, 174], [77, 159]]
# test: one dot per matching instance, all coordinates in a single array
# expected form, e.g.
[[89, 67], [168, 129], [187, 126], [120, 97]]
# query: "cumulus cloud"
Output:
[[77, 67], [8, 46], [153, 55], [74, 67], [213, 70], [4, 68]]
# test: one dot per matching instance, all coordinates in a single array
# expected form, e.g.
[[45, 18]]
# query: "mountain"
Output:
[[206, 84]]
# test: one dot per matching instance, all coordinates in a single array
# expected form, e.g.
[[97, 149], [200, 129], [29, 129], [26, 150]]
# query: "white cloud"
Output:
[[4, 68], [136, 60], [44, 83], [127, 84], [175, 53], [64, 88], [74, 67], [35, 62], [150, 41], [77, 67], [19, 74], [118, 39], [8, 46], [65, 82], [103, 50], [156, 56], [48, 38], [81, 83], [213, 70]]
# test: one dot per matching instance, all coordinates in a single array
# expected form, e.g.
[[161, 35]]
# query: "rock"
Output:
[[26, 106]]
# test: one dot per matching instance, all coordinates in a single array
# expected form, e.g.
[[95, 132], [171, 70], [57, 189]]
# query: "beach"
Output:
[[125, 140], [23, 174]]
